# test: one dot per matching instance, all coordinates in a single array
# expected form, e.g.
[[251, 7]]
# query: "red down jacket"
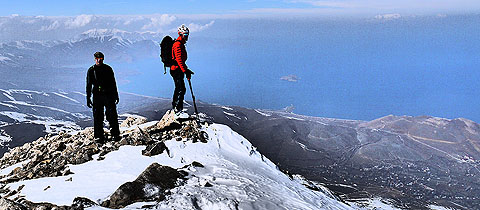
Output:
[[179, 54]]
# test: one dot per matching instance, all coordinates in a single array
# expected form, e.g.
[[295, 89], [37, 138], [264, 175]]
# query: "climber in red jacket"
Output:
[[179, 54]]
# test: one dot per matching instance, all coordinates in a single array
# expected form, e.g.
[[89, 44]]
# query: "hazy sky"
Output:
[[408, 57], [242, 7]]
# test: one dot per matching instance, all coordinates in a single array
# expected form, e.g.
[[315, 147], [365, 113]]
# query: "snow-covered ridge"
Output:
[[124, 36], [224, 172], [55, 111], [4, 59], [29, 44]]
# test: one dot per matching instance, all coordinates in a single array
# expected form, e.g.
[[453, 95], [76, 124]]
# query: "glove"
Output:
[[189, 73], [89, 102]]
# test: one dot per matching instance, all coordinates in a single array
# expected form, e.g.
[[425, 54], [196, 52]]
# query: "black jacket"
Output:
[[101, 80]]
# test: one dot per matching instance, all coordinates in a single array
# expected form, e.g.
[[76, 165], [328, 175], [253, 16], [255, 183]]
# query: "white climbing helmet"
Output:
[[183, 29]]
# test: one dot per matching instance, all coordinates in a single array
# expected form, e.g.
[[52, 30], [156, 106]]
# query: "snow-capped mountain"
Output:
[[410, 162], [119, 34], [117, 45], [24, 53], [38, 113], [170, 164]]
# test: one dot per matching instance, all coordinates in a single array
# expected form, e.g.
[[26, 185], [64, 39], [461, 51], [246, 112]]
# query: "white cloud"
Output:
[[158, 22], [385, 6], [132, 20], [196, 27], [326, 3], [388, 16], [68, 27], [79, 21], [290, 78], [127, 20]]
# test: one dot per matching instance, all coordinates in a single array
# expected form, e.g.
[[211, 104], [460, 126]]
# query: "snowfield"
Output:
[[238, 177]]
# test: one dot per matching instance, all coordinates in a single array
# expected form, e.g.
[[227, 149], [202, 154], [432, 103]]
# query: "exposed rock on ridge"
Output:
[[49, 156]]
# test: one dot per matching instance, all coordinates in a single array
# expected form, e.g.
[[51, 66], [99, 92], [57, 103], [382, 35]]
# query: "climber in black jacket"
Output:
[[101, 82]]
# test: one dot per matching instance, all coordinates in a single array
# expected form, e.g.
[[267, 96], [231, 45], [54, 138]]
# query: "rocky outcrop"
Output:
[[155, 149], [133, 120], [151, 185], [10, 205], [79, 203], [169, 121], [49, 156]]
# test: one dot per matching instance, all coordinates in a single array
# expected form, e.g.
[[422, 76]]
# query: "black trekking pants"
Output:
[[101, 101], [179, 92]]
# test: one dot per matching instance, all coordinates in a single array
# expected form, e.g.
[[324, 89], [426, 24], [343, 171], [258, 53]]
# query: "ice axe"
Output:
[[193, 96]]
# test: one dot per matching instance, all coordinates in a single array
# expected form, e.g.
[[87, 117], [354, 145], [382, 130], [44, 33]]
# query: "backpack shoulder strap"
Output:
[[174, 41]]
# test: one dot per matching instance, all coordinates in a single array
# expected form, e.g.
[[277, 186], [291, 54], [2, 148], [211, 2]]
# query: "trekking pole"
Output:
[[193, 97]]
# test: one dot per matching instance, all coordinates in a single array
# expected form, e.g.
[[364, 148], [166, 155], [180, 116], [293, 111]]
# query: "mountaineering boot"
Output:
[[181, 114], [116, 138], [99, 140]]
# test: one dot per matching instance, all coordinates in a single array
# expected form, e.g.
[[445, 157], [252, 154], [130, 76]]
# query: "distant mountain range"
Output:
[[119, 34], [117, 45]]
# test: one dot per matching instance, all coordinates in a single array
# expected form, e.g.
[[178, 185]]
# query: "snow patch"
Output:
[[66, 97], [7, 170], [436, 122], [9, 105], [375, 203], [83, 94], [4, 138], [231, 114], [29, 92], [39, 106], [294, 118], [434, 207], [3, 59], [471, 126], [304, 147], [51, 125], [8, 94], [130, 115], [262, 113]]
